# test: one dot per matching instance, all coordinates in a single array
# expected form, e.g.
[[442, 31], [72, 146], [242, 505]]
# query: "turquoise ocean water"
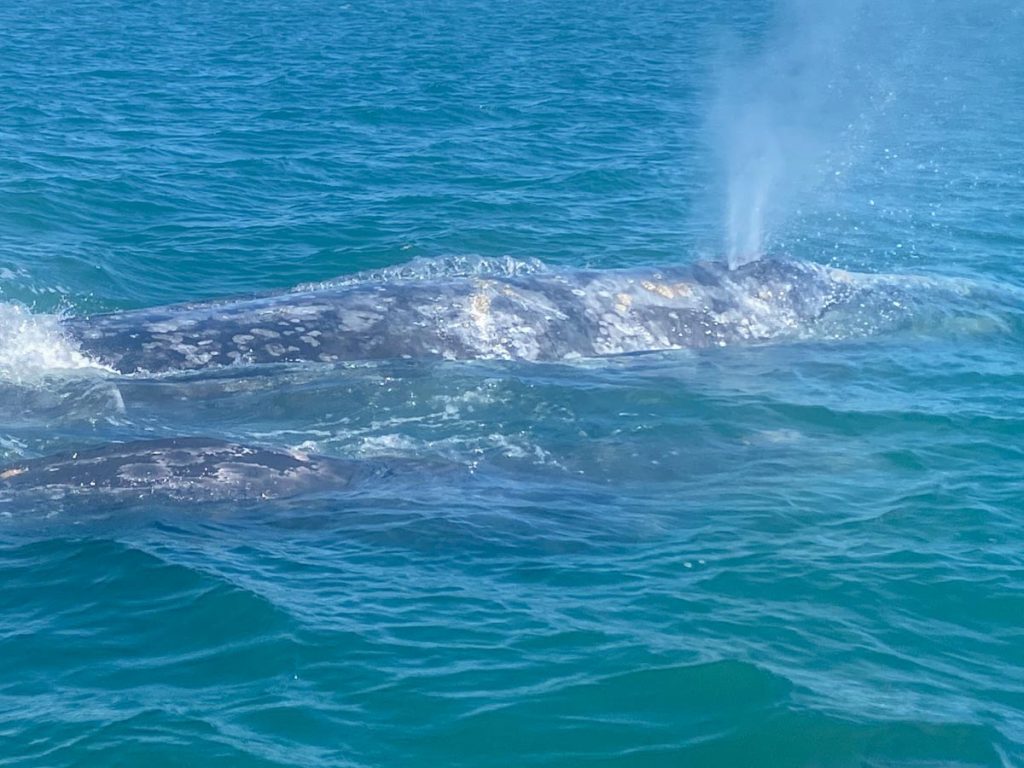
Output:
[[804, 552]]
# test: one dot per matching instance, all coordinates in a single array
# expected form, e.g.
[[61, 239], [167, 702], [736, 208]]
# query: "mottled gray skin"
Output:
[[549, 315], [186, 469]]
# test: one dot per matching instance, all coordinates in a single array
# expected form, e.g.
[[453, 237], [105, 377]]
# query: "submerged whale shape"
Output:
[[184, 469], [540, 314]]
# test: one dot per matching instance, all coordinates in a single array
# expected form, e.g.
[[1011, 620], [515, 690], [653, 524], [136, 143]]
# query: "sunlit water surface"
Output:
[[803, 553]]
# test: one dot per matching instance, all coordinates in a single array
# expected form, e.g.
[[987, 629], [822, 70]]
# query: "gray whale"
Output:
[[541, 314], [189, 469]]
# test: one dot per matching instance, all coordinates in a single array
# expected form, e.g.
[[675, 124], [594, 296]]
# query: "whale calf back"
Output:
[[544, 315], [183, 469]]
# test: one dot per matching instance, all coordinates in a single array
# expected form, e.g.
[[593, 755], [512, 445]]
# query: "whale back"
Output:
[[192, 469], [539, 316]]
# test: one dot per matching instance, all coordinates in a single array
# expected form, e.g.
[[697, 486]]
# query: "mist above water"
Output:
[[799, 98]]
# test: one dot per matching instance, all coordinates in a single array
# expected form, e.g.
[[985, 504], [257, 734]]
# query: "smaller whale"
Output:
[[188, 469]]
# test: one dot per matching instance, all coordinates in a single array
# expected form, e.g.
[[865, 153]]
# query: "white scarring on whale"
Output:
[[536, 315]]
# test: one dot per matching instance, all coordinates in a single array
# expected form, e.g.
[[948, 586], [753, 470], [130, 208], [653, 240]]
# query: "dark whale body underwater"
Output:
[[192, 469], [537, 314]]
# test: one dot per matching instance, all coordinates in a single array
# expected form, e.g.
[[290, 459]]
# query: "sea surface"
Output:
[[797, 552]]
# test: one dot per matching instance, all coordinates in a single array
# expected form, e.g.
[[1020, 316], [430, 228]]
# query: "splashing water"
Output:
[[33, 346]]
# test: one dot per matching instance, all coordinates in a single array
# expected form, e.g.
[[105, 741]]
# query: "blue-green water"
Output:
[[802, 553]]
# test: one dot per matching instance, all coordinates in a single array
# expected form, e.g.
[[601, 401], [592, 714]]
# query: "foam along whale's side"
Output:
[[544, 314], [183, 469]]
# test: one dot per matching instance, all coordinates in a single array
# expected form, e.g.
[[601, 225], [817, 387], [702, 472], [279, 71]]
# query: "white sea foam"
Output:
[[33, 346], [445, 267]]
